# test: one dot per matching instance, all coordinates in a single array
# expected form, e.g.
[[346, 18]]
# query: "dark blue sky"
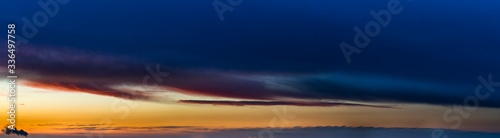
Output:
[[432, 52]]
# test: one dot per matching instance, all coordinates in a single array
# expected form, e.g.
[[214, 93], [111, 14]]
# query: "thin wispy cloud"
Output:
[[272, 103]]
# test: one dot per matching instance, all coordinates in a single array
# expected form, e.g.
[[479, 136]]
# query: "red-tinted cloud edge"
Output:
[[273, 103]]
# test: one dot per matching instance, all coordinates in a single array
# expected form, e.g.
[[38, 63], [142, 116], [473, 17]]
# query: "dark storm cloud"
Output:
[[267, 50]]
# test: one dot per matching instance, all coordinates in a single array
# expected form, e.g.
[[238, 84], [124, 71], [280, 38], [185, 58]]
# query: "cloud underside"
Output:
[[272, 103], [106, 74]]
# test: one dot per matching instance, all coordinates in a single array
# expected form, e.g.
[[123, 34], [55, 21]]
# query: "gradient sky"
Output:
[[86, 67]]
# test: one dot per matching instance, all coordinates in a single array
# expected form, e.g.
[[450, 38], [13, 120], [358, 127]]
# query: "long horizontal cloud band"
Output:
[[271, 103], [97, 74]]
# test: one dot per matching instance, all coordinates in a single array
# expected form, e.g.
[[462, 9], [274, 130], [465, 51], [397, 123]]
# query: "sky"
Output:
[[180, 68]]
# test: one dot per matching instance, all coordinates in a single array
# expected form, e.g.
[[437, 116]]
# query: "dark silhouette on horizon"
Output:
[[9, 131]]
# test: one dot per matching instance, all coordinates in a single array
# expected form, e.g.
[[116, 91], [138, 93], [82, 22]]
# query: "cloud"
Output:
[[256, 56], [271, 103], [92, 88], [102, 74], [49, 124], [135, 130]]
